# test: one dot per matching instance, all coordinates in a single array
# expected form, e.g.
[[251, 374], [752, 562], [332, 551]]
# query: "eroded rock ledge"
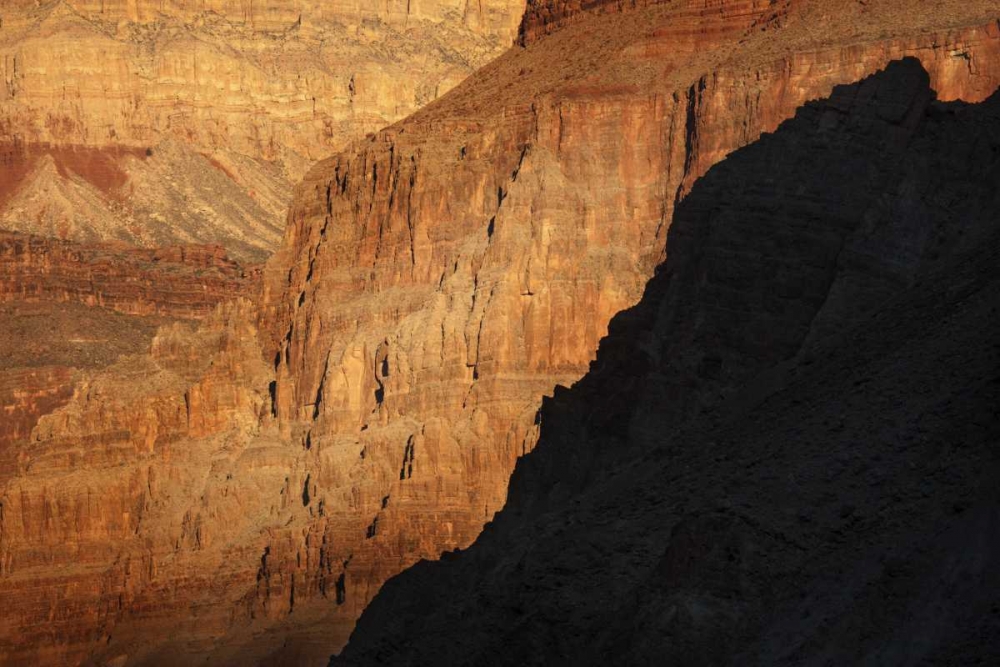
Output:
[[185, 282]]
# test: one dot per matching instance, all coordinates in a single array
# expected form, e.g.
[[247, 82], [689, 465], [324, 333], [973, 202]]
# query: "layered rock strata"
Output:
[[262, 80], [69, 310], [435, 281], [184, 282], [786, 452], [144, 197], [45, 346], [245, 95]]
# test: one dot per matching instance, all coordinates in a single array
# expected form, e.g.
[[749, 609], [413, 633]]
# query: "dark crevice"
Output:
[[406, 471], [341, 588], [317, 404]]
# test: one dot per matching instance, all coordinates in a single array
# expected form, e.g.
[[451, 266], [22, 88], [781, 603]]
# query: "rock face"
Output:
[[147, 198], [490, 17], [240, 494], [66, 306], [542, 17], [262, 79], [245, 94], [180, 282], [68, 310], [26, 394], [786, 452]]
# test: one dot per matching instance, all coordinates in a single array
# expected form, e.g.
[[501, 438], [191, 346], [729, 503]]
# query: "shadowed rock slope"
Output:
[[787, 452]]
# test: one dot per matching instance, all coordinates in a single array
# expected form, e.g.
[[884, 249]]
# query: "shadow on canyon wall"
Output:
[[787, 452]]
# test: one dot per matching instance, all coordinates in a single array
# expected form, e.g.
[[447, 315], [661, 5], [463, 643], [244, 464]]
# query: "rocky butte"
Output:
[[240, 493]]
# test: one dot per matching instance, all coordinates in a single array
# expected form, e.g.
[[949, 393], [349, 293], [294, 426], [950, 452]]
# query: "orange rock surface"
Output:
[[70, 309], [246, 96], [240, 494], [26, 394], [179, 281]]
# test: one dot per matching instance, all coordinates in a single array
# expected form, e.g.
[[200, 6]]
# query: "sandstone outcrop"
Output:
[[25, 395], [66, 307], [176, 281], [786, 452], [246, 96], [275, 466], [44, 349], [68, 310]]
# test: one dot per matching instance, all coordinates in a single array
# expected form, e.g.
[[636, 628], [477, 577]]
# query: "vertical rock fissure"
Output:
[[318, 402], [409, 214], [406, 471], [691, 132]]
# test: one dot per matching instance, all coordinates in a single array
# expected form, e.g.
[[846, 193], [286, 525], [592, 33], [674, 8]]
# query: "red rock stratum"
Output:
[[185, 282]]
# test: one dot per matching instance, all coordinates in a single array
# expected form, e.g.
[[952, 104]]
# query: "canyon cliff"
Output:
[[184, 282], [68, 309], [786, 453], [188, 122], [240, 493]]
